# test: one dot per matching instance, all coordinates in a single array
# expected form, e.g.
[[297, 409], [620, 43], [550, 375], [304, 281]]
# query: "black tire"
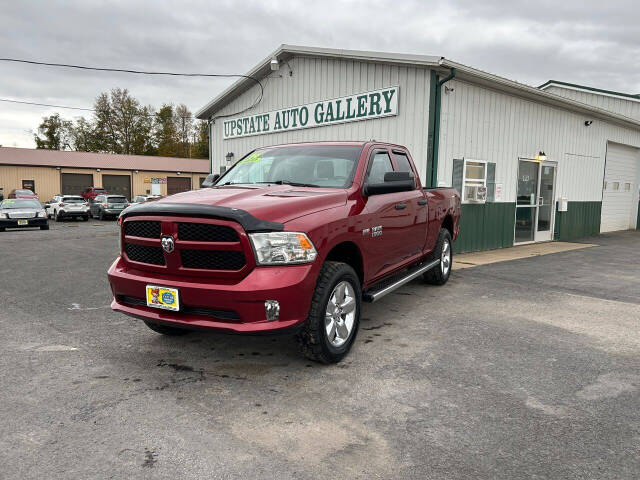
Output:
[[85, 218], [312, 339], [101, 215], [89, 214], [3, 229], [439, 274], [44, 227], [56, 216], [166, 330]]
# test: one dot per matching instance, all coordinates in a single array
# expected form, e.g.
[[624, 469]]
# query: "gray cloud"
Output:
[[595, 43]]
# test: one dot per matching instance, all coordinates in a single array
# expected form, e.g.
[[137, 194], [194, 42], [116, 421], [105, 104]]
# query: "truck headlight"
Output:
[[282, 248]]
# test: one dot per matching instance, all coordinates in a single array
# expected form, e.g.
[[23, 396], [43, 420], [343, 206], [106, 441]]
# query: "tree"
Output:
[[54, 133], [165, 132], [184, 130], [201, 140]]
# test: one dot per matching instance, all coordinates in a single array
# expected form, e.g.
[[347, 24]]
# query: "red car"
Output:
[[22, 193], [291, 237], [90, 193]]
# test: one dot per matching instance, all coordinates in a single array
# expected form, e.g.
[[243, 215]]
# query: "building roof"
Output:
[[575, 86], [58, 158], [441, 64]]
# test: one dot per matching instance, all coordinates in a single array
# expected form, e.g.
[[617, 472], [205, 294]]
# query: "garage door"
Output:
[[178, 184], [117, 184], [75, 183], [619, 194]]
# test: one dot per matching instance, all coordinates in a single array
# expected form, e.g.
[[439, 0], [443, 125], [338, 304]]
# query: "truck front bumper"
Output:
[[211, 304]]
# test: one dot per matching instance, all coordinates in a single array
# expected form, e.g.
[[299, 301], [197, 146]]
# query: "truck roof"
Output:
[[352, 143]]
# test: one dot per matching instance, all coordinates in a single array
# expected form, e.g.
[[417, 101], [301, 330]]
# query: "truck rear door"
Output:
[[417, 199]]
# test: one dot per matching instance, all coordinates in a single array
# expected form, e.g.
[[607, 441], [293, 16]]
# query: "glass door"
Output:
[[535, 203], [546, 203], [527, 201]]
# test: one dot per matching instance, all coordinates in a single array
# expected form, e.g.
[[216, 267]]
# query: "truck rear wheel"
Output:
[[334, 316], [439, 274], [165, 329]]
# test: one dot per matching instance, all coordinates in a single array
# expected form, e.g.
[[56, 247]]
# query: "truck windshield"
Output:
[[329, 166]]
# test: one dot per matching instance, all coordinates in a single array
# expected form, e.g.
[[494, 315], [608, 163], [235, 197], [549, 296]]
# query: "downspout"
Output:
[[210, 134], [435, 100]]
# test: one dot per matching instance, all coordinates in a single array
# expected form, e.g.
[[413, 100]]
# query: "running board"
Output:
[[374, 293]]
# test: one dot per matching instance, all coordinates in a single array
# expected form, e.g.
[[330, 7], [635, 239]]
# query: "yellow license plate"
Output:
[[23, 222], [163, 297]]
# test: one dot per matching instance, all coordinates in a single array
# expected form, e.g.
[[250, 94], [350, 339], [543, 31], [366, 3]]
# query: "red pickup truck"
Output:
[[291, 237]]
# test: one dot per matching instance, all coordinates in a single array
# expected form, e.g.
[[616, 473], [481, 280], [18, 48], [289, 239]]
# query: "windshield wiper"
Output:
[[294, 184]]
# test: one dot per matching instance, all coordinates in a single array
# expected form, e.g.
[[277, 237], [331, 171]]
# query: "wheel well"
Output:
[[349, 253], [448, 224]]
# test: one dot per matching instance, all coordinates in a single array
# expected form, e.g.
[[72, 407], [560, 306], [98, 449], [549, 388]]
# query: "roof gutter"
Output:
[[435, 108]]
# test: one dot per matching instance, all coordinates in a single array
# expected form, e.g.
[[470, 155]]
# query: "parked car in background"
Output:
[[104, 206], [21, 213], [90, 193], [67, 206], [22, 193], [146, 198]]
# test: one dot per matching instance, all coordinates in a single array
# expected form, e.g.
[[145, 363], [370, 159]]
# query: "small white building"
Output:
[[532, 164]]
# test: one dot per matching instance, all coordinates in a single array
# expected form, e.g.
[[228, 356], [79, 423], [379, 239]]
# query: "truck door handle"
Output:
[[401, 206], [423, 201]]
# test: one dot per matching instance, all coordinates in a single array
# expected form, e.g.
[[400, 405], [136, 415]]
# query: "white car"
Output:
[[67, 206]]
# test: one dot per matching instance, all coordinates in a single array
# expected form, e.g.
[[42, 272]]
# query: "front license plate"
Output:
[[23, 222], [163, 297]]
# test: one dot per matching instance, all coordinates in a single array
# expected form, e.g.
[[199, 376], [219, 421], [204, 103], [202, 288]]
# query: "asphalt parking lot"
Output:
[[521, 369]]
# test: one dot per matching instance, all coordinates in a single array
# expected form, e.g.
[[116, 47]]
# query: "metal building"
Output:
[[532, 164]]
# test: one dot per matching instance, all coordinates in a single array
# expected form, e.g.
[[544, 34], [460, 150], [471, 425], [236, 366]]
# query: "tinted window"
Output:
[[379, 165], [403, 162], [73, 199], [117, 200], [24, 192]]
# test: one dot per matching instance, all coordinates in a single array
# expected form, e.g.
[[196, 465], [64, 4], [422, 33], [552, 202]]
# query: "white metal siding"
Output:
[[317, 79], [619, 206], [484, 124], [627, 107]]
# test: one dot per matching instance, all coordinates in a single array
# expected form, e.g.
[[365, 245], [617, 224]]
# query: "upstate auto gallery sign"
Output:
[[361, 106]]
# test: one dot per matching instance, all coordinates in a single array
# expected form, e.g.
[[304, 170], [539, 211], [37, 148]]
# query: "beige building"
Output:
[[51, 172]]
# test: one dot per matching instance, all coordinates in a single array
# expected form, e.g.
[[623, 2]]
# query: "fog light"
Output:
[[272, 309]]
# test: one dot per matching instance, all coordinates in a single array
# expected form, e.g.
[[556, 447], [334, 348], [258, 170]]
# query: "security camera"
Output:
[[588, 123], [275, 65]]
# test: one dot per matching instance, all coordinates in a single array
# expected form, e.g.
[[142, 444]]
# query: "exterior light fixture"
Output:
[[97, 169], [229, 156], [58, 168], [135, 171], [178, 173], [541, 157], [275, 65], [587, 123]]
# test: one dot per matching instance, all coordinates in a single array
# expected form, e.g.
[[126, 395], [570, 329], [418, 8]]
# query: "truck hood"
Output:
[[274, 203]]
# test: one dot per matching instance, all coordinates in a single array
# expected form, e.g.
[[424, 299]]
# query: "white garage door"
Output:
[[620, 188]]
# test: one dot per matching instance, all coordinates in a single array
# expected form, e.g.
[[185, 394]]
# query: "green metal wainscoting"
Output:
[[485, 227], [582, 219]]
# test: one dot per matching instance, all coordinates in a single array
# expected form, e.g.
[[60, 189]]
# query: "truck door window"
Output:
[[379, 165]]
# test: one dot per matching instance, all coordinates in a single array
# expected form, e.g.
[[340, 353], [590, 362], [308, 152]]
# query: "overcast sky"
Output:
[[588, 42]]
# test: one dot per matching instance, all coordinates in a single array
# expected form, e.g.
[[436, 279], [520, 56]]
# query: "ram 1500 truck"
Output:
[[292, 237]]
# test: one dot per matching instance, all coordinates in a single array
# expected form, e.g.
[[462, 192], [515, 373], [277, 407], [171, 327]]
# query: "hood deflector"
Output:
[[248, 221]]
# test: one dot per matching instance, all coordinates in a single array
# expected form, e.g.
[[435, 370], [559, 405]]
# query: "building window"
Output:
[[474, 181], [627, 187], [616, 186], [604, 186]]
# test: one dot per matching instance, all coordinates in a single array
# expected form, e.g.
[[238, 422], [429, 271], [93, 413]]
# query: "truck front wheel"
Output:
[[439, 274], [334, 316]]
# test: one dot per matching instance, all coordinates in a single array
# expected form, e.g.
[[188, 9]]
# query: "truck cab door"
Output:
[[418, 200], [388, 229]]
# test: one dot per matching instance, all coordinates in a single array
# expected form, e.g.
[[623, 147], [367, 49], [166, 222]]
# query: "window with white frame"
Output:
[[474, 181]]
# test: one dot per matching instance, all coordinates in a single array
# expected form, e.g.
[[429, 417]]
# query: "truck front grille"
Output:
[[143, 228], [206, 232], [213, 259], [144, 254], [201, 247]]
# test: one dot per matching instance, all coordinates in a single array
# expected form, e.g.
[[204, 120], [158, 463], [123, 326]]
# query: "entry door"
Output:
[[546, 203], [535, 203]]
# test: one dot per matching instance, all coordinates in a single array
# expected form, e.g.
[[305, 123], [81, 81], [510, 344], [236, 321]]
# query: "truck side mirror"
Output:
[[393, 182], [211, 179]]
